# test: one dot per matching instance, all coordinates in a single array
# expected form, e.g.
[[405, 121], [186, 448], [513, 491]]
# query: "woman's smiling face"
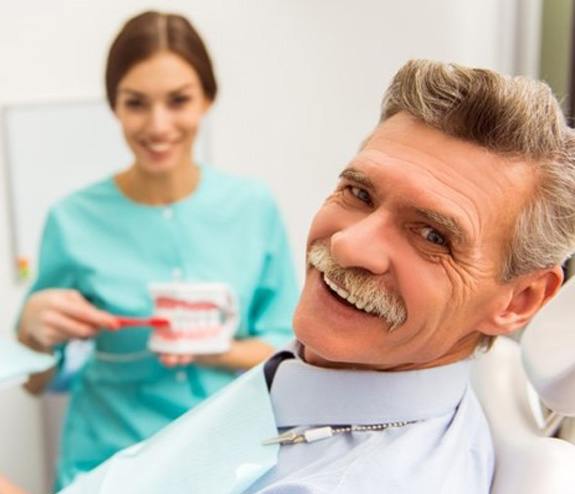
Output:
[[160, 103]]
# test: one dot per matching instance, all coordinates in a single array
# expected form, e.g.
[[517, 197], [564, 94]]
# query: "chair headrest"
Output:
[[548, 351]]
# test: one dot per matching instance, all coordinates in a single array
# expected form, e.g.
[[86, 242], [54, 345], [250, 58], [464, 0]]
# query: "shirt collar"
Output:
[[303, 394]]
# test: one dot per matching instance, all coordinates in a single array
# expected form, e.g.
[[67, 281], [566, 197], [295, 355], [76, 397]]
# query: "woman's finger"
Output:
[[174, 360], [74, 305], [186, 359], [65, 326], [49, 337], [168, 360]]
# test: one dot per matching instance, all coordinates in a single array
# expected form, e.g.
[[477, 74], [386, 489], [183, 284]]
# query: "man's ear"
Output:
[[526, 296]]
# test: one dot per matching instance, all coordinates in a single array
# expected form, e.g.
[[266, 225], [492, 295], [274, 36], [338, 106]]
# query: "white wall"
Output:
[[301, 82]]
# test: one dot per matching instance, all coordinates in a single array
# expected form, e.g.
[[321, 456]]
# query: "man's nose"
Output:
[[364, 244]]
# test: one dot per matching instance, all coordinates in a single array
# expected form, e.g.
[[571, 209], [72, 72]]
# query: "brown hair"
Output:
[[148, 33], [511, 116]]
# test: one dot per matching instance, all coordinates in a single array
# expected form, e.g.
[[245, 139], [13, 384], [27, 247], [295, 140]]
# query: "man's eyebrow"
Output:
[[358, 177], [448, 223]]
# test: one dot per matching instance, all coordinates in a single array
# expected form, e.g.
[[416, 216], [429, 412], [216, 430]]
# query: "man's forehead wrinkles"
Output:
[[394, 150], [380, 159]]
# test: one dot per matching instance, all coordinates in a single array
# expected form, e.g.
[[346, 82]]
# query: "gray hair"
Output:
[[514, 117]]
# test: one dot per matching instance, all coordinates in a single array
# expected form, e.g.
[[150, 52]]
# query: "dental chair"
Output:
[[526, 389]]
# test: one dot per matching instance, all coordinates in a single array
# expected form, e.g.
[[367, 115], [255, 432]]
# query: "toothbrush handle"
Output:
[[155, 322], [131, 321]]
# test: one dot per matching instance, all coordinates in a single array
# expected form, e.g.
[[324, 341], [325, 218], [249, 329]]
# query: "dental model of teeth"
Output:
[[202, 316]]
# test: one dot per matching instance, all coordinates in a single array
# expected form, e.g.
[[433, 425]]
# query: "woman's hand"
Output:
[[7, 487], [242, 355], [175, 359], [56, 315]]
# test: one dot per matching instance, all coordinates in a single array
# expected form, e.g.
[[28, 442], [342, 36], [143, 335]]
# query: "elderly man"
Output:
[[447, 229]]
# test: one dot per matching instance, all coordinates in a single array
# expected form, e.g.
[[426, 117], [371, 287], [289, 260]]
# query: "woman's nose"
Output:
[[159, 121], [364, 244]]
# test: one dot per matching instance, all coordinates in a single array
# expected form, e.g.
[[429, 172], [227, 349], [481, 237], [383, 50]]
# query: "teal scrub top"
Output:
[[110, 248]]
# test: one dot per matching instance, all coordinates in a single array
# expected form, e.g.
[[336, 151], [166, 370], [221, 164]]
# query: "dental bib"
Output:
[[217, 447]]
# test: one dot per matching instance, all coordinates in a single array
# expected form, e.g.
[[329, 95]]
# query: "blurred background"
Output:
[[301, 83]]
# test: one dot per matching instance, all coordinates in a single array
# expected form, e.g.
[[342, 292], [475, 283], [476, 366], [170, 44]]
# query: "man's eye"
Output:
[[361, 194], [433, 236]]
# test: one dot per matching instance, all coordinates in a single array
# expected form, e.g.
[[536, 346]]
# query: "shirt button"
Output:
[[168, 213], [177, 274], [181, 376]]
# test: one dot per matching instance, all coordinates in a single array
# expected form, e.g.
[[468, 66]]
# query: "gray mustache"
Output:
[[362, 285]]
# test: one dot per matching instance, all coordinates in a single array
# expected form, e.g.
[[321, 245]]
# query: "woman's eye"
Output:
[[361, 194], [179, 100], [134, 104], [433, 236]]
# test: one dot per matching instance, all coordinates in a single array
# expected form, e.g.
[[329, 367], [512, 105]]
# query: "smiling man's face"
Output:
[[413, 238]]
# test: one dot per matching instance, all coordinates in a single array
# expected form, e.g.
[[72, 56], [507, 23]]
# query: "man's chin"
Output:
[[315, 354], [333, 358], [320, 349]]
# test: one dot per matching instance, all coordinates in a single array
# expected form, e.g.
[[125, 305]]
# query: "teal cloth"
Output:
[[17, 362], [109, 248], [214, 449]]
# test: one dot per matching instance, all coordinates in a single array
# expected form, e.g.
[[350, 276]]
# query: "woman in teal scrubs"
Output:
[[165, 218]]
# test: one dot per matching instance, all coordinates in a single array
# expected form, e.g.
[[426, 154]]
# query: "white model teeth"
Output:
[[363, 306]]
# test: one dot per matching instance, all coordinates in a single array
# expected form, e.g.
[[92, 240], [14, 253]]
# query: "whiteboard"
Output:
[[53, 149]]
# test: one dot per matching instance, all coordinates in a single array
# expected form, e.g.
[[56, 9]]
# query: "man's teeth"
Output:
[[348, 297], [340, 291]]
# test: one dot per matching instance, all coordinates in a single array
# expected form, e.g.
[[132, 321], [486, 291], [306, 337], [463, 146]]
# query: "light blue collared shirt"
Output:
[[448, 449]]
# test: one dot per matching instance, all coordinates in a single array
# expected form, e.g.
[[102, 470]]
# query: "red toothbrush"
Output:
[[155, 322]]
